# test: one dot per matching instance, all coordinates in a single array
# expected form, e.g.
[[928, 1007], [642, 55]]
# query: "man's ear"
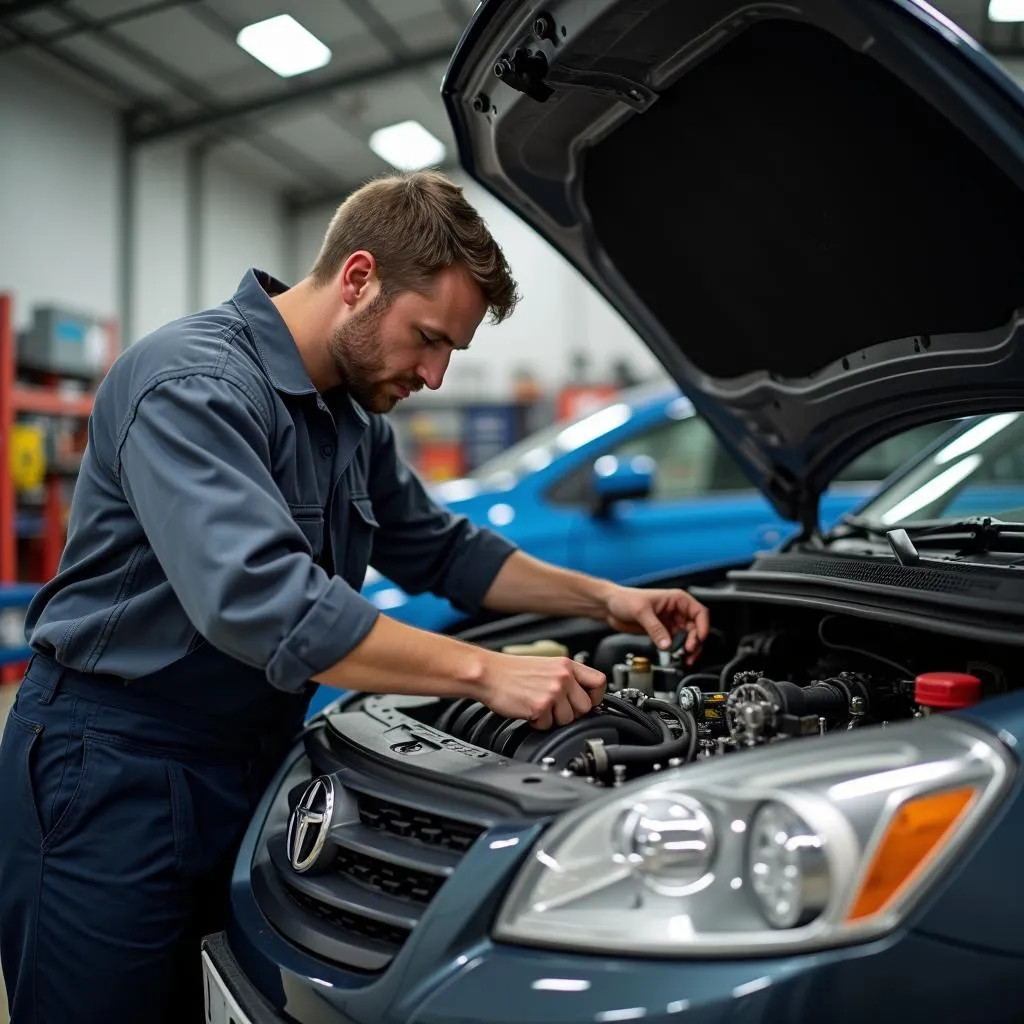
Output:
[[358, 277]]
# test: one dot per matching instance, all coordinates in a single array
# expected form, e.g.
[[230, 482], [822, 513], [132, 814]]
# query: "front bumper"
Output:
[[215, 948], [912, 976]]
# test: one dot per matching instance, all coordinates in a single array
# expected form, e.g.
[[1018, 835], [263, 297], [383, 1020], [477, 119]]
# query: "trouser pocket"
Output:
[[17, 800], [44, 766]]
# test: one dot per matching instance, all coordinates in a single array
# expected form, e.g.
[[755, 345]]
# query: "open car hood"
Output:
[[812, 213]]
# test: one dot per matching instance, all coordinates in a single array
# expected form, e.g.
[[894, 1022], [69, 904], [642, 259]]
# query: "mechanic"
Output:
[[239, 477]]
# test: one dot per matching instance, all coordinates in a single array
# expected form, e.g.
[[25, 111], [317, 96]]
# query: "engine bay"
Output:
[[765, 676]]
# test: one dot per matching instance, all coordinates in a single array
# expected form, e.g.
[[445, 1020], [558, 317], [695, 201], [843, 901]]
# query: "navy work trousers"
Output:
[[118, 830]]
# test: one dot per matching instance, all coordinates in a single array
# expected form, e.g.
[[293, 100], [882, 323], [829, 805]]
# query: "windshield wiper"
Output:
[[969, 536]]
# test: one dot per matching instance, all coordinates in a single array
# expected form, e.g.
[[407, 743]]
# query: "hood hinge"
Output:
[[529, 72]]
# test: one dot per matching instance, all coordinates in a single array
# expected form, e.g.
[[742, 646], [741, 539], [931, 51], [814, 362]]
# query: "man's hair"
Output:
[[417, 225]]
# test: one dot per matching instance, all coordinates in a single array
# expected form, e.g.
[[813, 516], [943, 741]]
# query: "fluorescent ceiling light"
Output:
[[1006, 10], [284, 46], [407, 146]]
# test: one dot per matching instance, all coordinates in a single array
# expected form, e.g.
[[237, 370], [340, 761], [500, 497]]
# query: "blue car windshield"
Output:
[[540, 449], [976, 470]]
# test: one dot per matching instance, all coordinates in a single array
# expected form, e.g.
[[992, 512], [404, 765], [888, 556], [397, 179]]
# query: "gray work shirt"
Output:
[[214, 473]]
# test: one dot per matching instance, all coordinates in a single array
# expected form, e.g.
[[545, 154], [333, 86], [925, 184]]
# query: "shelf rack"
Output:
[[46, 528]]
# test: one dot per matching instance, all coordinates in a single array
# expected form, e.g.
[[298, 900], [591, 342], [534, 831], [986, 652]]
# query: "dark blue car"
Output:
[[813, 215]]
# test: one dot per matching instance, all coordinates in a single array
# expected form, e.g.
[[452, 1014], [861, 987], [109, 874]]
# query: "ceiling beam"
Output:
[[379, 27], [14, 8], [284, 155], [132, 14], [86, 69], [146, 129]]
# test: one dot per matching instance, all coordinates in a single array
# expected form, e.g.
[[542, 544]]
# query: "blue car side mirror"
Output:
[[615, 480]]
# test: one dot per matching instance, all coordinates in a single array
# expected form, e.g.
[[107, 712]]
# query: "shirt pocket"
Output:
[[310, 520], [362, 525]]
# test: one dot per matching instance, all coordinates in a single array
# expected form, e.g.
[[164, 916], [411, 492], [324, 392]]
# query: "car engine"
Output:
[[659, 714], [407, 783]]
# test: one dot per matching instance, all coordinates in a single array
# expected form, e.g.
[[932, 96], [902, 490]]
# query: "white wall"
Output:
[[559, 313], [160, 242], [60, 211], [58, 196], [244, 226]]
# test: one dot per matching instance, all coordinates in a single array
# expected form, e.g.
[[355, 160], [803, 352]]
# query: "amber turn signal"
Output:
[[914, 834]]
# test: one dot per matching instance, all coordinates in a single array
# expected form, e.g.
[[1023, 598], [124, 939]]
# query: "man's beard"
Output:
[[357, 351]]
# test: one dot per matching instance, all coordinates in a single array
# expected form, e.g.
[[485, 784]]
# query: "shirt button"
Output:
[[327, 451]]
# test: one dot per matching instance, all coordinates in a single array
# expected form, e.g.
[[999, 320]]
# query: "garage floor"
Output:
[[6, 700]]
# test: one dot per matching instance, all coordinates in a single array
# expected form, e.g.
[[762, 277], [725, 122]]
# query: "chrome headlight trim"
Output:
[[576, 890]]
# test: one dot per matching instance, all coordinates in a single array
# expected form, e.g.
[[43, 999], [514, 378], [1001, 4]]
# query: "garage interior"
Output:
[[147, 158]]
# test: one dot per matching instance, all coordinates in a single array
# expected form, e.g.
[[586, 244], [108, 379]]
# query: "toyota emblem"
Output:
[[310, 824]]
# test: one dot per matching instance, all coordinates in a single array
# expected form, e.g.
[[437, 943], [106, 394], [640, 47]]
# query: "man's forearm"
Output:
[[397, 658], [524, 584]]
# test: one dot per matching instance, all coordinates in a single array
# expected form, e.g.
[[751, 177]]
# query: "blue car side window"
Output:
[[689, 461], [685, 454]]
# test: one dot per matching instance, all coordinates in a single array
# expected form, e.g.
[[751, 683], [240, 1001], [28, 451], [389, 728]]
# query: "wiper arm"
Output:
[[903, 547], [971, 536]]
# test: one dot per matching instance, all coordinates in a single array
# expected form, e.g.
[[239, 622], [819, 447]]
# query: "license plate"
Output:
[[221, 1007]]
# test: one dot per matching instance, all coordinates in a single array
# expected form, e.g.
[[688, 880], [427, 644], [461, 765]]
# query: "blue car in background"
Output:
[[627, 489]]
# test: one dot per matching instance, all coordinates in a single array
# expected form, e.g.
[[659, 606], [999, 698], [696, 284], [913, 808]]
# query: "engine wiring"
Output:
[[847, 649]]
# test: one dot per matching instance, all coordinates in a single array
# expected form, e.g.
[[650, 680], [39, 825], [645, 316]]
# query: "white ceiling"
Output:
[[176, 62]]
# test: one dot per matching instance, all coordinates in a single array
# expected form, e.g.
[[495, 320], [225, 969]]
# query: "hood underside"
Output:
[[813, 214]]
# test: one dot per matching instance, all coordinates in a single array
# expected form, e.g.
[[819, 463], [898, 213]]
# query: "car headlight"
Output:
[[800, 845]]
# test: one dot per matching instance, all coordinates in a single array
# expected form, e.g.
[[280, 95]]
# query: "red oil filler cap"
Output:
[[947, 690]]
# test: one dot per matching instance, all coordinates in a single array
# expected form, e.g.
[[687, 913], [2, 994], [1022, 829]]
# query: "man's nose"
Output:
[[432, 371]]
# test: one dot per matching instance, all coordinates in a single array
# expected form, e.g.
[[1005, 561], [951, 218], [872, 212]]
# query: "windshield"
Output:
[[975, 470]]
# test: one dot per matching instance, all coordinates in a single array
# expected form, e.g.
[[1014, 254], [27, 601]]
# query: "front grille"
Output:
[[389, 861], [420, 826], [352, 926], [401, 882]]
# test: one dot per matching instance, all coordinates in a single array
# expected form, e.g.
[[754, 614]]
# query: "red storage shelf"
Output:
[[43, 399]]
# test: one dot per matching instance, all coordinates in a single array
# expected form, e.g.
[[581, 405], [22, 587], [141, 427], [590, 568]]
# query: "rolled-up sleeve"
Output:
[[423, 546], [194, 464]]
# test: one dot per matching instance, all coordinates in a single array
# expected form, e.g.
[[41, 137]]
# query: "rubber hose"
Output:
[[685, 718], [731, 668], [668, 747], [638, 716], [694, 678], [651, 755]]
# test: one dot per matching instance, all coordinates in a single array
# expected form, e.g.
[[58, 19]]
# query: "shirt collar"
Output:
[[275, 345]]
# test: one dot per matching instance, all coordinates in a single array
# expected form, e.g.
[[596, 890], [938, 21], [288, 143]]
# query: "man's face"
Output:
[[386, 351]]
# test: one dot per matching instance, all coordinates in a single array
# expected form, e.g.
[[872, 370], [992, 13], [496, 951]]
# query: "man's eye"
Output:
[[429, 342]]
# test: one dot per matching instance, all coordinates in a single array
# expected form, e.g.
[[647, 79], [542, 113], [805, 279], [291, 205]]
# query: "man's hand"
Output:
[[660, 614], [544, 691]]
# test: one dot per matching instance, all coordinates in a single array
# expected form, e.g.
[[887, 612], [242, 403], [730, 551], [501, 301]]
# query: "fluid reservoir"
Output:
[[946, 691], [538, 649], [641, 675]]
